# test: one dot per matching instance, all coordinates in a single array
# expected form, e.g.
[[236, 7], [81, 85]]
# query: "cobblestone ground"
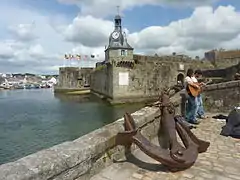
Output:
[[220, 162]]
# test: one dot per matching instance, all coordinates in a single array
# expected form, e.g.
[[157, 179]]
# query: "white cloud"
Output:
[[6, 51], [36, 50], [205, 29], [154, 37], [88, 31], [23, 32], [32, 44], [106, 7], [97, 51], [40, 46]]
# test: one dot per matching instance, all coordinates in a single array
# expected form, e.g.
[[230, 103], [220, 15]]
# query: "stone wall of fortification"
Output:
[[150, 74], [223, 58], [73, 78], [226, 74], [227, 62], [102, 80], [68, 77], [222, 97]]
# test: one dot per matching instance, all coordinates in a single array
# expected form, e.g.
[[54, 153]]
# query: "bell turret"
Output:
[[117, 38]]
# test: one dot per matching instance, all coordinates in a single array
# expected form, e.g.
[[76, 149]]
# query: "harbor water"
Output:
[[35, 119]]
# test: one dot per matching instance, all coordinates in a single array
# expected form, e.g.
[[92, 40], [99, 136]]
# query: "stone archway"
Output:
[[180, 79]]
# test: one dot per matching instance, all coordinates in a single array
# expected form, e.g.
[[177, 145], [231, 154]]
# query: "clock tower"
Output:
[[118, 45], [119, 64]]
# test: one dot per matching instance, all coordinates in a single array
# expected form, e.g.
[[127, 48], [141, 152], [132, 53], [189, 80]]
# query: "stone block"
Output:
[[16, 170], [211, 87], [224, 98], [222, 85], [232, 84]]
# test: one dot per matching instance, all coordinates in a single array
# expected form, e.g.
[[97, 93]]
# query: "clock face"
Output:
[[115, 35]]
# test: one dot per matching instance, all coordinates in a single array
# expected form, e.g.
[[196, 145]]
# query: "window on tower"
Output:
[[117, 22], [123, 52]]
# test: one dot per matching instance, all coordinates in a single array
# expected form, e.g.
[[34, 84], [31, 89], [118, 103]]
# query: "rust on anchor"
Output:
[[176, 156]]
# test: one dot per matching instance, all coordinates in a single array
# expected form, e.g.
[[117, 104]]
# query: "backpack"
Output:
[[232, 127]]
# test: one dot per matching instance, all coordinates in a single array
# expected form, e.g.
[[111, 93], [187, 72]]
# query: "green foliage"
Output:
[[100, 67]]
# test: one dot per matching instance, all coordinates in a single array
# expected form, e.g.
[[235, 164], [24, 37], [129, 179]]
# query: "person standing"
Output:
[[200, 110], [191, 108]]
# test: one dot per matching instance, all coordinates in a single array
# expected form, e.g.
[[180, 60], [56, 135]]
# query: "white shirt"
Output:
[[190, 80], [194, 79]]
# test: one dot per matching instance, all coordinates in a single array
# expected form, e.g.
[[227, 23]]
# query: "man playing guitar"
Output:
[[191, 106], [200, 113]]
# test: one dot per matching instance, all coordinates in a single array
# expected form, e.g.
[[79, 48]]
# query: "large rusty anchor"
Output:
[[176, 156]]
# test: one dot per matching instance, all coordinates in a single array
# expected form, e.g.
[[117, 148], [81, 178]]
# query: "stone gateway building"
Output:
[[73, 79], [222, 58], [124, 77]]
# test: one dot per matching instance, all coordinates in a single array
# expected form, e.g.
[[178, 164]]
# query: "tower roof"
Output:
[[117, 38], [117, 17]]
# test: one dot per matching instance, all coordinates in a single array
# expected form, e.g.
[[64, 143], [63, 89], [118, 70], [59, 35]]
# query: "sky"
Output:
[[35, 34]]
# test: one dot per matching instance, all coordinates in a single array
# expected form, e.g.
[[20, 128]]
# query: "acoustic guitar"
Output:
[[196, 91]]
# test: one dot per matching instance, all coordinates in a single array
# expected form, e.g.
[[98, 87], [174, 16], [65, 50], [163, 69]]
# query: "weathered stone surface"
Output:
[[149, 75], [228, 73], [15, 170], [222, 97], [72, 78]]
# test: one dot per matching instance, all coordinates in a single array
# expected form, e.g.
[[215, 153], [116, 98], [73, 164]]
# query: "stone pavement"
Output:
[[220, 162]]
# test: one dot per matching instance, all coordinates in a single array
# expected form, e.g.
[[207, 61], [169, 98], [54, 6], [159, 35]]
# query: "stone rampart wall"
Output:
[[150, 75], [227, 62], [226, 59], [73, 78], [101, 80], [185, 60], [223, 59], [68, 77], [224, 73], [222, 97]]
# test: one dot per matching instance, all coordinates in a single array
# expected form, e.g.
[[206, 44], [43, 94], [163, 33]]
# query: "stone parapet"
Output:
[[225, 73], [222, 97], [225, 85]]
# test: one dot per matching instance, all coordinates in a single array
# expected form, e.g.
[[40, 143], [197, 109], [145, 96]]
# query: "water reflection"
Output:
[[73, 98], [104, 111], [31, 120]]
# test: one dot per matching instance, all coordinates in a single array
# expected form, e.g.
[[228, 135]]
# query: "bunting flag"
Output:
[[71, 56], [66, 56], [79, 57]]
